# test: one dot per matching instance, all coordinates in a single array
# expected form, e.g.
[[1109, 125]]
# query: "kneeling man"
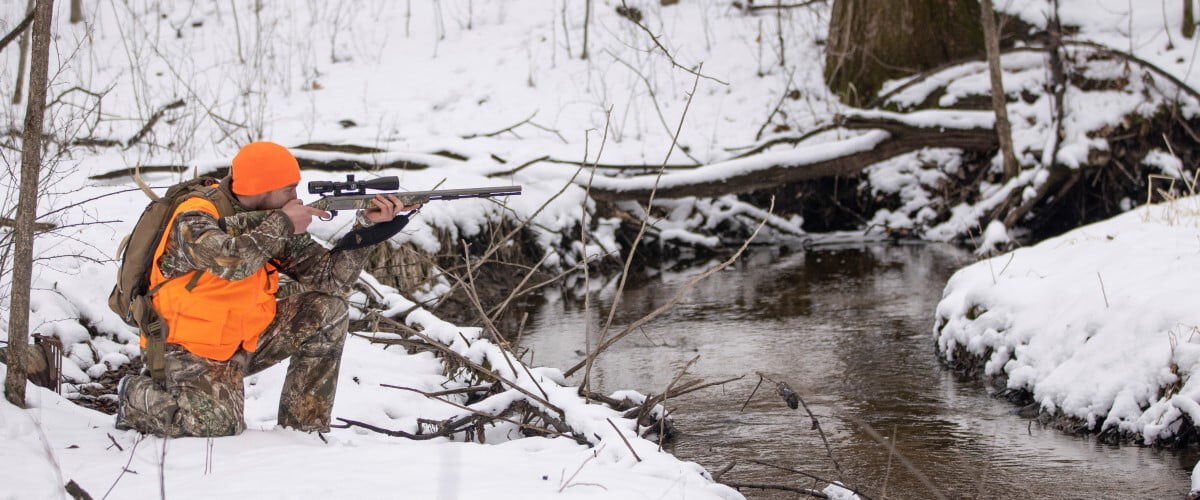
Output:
[[216, 282]]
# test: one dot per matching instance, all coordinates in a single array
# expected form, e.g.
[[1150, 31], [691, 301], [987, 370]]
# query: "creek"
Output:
[[849, 329]]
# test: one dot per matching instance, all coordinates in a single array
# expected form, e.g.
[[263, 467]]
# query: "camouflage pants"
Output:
[[205, 398]]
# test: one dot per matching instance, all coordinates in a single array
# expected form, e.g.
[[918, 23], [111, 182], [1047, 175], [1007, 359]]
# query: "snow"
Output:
[[720, 171], [1170, 164], [837, 492], [1097, 324], [932, 118], [995, 237], [56, 441]]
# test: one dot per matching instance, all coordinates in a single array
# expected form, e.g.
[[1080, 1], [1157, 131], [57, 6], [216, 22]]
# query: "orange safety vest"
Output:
[[215, 316]]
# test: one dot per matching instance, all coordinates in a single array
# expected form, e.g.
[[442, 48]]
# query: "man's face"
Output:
[[277, 198]]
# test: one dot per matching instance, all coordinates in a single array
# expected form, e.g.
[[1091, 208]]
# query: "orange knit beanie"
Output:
[[263, 166]]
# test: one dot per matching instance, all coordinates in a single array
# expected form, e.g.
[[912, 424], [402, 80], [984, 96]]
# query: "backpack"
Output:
[[131, 295]]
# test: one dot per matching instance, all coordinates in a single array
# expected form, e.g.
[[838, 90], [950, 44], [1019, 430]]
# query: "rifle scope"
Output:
[[351, 186]]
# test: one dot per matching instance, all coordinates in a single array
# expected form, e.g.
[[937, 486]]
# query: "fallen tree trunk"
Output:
[[890, 134]]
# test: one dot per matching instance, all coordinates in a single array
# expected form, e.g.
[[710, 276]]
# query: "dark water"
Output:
[[849, 330]]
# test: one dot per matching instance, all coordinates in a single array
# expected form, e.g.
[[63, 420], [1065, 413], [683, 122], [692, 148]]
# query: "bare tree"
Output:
[[1189, 19], [873, 41], [31, 149], [587, 18], [76, 11], [991, 40], [23, 60]]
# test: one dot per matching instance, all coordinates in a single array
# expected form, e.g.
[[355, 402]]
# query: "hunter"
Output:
[[226, 315]]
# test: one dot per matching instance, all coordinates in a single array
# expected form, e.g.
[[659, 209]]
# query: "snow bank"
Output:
[[1150, 31], [1099, 324]]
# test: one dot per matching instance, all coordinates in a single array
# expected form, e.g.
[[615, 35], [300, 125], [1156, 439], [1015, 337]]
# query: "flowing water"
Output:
[[849, 329]]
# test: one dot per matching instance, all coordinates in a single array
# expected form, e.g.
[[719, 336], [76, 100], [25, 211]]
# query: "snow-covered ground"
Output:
[[1099, 324], [56, 441]]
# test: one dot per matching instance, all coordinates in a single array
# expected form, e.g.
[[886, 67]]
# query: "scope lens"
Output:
[[318, 187]]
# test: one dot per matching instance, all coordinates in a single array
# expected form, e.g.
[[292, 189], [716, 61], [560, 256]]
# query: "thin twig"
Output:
[[151, 122], [498, 310], [475, 366], [782, 98], [781, 5], [781, 487], [716, 477], [488, 415], [12, 35], [162, 472], [903, 459], [751, 396], [626, 441], [864, 496], [520, 167], [501, 344], [1102, 292], [668, 53], [124, 469], [503, 130], [114, 442], [828, 450]]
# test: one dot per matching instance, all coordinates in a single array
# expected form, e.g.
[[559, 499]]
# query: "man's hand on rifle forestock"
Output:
[[301, 215], [386, 208]]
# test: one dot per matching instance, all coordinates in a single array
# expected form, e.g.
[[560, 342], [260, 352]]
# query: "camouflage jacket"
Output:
[[237, 246]]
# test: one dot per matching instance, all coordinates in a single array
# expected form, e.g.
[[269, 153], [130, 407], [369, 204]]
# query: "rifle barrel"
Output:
[[363, 201]]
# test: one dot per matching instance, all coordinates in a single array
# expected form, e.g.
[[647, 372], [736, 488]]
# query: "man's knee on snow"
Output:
[[180, 411], [209, 415]]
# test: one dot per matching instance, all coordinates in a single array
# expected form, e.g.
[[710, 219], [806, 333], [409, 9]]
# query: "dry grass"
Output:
[[1168, 204]]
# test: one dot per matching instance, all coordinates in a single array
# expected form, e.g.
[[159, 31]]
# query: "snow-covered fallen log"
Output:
[[1098, 326], [877, 136]]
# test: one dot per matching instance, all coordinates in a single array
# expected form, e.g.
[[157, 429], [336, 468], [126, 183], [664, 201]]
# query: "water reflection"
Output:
[[849, 330]]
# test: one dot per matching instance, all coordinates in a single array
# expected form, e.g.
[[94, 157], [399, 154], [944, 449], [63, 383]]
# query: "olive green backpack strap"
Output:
[[220, 200], [154, 327]]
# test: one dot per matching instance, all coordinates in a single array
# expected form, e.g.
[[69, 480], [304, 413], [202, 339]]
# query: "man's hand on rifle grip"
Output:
[[386, 208]]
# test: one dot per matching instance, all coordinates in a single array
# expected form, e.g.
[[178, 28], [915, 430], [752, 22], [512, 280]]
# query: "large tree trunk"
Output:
[[873, 41], [31, 159]]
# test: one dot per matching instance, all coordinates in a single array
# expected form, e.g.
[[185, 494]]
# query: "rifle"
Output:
[[352, 194]]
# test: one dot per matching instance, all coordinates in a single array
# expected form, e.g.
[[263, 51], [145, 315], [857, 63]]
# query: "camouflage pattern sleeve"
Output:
[[232, 249], [317, 269]]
